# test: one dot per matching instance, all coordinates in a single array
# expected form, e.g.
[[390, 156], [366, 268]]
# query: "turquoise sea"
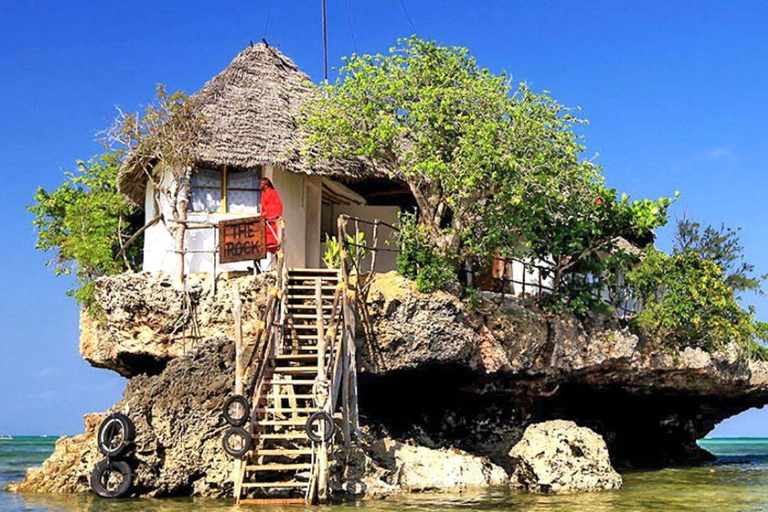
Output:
[[738, 481]]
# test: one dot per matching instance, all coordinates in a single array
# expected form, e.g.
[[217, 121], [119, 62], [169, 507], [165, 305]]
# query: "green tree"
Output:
[[687, 301], [723, 246], [162, 138], [87, 223], [489, 166]]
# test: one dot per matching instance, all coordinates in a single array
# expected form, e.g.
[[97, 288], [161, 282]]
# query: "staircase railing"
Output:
[[267, 338]]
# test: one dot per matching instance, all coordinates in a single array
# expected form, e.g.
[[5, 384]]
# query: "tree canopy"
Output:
[[87, 223], [490, 167]]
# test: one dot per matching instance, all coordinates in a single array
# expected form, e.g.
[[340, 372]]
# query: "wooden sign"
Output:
[[242, 240]]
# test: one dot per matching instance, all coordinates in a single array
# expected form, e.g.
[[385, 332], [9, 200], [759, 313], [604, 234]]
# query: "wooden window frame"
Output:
[[223, 189]]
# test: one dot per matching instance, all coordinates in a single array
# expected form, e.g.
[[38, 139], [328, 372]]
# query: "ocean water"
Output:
[[738, 481]]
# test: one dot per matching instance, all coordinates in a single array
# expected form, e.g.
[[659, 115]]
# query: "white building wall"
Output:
[[159, 245], [385, 260], [292, 190]]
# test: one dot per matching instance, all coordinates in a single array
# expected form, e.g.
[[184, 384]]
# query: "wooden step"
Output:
[[304, 327], [306, 348], [295, 357], [302, 316], [287, 452], [294, 422], [286, 435], [324, 287], [290, 307], [303, 337], [262, 502], [285, 397], [300, 270], [286, 410], [279, 467], [297, 382], [261, 485], [297, 370]]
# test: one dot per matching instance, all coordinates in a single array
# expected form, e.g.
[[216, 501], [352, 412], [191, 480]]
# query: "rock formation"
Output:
[[441, 387], [142, 322], [444, 376], [558, 456]]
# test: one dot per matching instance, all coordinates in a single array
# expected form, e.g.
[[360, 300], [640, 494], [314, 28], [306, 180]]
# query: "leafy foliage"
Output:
[[332, 254], [489, 167], [419, 260], [688, 301], [722, 246], [86, 222], [163, 138]]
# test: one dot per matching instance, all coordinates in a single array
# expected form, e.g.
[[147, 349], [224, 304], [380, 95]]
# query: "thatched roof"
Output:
[[249, 113]]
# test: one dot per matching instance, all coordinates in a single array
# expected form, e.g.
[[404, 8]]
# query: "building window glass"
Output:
[[226, 191], [242, 192]]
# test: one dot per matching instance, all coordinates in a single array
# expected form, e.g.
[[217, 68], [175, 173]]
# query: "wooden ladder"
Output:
[[282, 466]]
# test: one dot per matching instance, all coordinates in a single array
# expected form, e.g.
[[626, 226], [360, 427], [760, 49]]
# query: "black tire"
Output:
[[330, 426], [237, 442], [116, 435], [112, 479], [233, 419]]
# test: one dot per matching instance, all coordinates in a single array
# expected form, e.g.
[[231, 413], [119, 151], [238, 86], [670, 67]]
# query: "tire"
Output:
[[233, 419], [237, 442], [116, 435], [330, 426], [103, 484]]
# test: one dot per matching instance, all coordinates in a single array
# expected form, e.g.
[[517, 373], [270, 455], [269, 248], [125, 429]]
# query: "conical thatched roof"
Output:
[[250, 111]]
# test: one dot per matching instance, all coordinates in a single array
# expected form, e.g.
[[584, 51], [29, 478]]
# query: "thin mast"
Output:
[[325, 44]]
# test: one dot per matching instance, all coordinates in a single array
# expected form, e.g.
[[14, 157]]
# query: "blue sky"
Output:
[[676, 94]]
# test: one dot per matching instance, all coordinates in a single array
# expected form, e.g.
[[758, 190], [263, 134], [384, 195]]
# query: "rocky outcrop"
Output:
[[69, 468], [142, 322], [558, 456], [443, 375], [447, 390], [177, 414]]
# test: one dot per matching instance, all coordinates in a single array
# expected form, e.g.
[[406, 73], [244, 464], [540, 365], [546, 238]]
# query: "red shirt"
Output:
[[271, 208]]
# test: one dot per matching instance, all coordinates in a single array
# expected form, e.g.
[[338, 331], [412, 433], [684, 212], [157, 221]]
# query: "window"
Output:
[[226, 191]]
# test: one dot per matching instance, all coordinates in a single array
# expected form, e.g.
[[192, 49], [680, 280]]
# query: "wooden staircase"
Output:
[[282, 466]]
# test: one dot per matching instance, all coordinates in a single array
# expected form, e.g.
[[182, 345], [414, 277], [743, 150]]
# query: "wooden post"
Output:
[[341, 224], [237, 310], [349, 332], [345, 365], [180, 231], [321, 386]]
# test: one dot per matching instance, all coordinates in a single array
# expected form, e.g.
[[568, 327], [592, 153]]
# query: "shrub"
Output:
[[86, 223], [687, 301], [418, 258]]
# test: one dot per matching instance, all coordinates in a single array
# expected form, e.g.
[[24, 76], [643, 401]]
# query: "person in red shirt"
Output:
[[271, 210]]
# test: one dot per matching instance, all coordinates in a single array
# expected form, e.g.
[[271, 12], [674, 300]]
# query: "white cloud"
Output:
[[719, 152], [49, 371]]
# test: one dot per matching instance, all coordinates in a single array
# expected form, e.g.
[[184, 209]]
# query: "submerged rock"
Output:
[[70, 465], [560, 457]]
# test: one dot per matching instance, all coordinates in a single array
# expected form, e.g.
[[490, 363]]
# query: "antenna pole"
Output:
[[325, 44]]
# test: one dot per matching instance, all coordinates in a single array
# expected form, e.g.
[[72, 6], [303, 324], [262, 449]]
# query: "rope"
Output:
[[408, 16], [349, 23]]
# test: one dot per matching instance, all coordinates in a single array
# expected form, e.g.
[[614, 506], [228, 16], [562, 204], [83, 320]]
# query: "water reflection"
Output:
[[720, 489]]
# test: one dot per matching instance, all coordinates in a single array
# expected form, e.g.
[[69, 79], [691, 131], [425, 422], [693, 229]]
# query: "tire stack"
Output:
[[237, 440], [113, 476]]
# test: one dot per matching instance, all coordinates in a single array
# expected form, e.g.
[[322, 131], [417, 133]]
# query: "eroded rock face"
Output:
[[143, 322], [70, 465], [177, 414], [558, 456], [438, 383], [379, 466], [442, 375]]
